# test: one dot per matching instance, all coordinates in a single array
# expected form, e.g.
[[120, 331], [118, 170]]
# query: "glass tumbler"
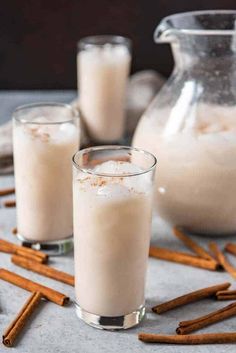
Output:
[[103, 65], [112, 198], [45, 135]]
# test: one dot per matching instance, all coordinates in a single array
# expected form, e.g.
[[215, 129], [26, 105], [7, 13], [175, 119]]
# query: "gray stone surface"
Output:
[[57, 329], [9, 100]]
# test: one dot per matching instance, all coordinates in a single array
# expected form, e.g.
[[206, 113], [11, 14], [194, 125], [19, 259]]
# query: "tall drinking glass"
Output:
[[46, 136], [112, 197], [103, 65]]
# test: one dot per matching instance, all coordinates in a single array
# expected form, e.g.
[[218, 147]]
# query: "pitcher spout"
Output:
[[196, 23], [164, 33]]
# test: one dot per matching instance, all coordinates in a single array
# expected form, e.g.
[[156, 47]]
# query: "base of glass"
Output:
[[53, 248], [111, 322]]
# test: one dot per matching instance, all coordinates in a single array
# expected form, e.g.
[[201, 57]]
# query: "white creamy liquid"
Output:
[[196, 184], [43, 179], [112, 219], [102, 78]]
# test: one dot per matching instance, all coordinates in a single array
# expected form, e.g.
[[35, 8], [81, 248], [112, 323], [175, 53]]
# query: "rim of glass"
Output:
[[117, 148], [75, 113], [103, 39], [201, 31]]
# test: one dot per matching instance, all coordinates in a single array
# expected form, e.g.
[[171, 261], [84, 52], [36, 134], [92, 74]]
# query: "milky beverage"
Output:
[[43, 177], [196, 185], [112, 217], [102, 78]]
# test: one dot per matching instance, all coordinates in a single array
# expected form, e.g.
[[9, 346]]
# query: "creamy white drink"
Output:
[[196, 185], [112, 220], [102, 76], [45, 139]]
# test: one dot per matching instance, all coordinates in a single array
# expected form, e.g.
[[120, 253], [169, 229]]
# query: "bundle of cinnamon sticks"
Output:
[[34, 255], [186, 327], [212, 260], [39, 291], [32, 260]]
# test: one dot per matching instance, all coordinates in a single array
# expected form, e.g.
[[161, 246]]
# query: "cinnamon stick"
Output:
[[22, 282], [222, 259], [14, 230], [231, 248], [197, 249], [19, 322], [204, 338], [9, 203], [183, 258], [186, 327], [43, 270], [226, 295], [35, 255], [190, 298], [7, 191], [29, 256]]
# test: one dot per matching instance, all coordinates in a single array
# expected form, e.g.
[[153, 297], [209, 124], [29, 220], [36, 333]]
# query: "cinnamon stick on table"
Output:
[[35, 255], [204, 338], [183, 258], [14, 230], [7, 191], [43, 269], [206, 320], [222, 259], [190, 298], [231, 248], [226, 295], [22, 282], [200, 251], [19, 322], [9, 203]]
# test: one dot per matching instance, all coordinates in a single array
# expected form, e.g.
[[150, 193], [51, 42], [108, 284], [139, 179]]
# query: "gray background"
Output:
[[57, 329]]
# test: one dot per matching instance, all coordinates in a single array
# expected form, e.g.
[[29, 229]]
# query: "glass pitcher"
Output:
[[191, 124]]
